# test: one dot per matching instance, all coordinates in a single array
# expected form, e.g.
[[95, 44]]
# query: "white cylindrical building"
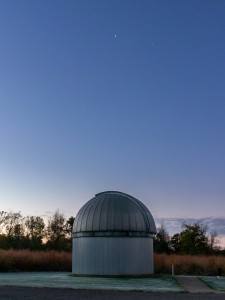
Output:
[[113, 236]]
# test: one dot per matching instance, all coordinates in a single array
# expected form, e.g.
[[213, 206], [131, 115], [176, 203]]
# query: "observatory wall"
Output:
[[113, 256]]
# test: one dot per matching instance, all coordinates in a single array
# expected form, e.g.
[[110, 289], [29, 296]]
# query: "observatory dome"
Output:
[[114, 211], [113, 236]]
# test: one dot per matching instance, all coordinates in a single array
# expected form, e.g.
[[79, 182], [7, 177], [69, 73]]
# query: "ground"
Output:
[[61, 285]]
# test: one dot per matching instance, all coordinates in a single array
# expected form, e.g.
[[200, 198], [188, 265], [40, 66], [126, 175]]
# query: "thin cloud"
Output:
[[174, 225]]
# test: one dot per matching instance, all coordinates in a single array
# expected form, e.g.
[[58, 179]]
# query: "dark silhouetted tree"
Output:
[[212, 242], [56, 234], [175, 243], [14, 230], [193, 239], [161, 240], [35, 227]]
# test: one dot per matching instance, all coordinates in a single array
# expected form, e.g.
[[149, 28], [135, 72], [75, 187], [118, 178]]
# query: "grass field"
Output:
[[25, 260], [189, 265]]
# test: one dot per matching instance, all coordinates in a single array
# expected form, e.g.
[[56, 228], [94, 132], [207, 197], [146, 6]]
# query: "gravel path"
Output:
[[23, 293]]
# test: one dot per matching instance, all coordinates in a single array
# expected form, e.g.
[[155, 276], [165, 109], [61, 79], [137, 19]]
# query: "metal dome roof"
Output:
[[113, 211]]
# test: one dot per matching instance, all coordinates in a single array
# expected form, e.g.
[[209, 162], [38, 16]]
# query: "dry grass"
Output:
[[188, 264], [26, 260]]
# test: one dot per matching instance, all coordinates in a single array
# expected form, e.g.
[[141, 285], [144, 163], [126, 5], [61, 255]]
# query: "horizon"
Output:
[[172, 225]]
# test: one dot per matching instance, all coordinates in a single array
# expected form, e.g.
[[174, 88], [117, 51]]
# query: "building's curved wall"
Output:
[[112, 256]]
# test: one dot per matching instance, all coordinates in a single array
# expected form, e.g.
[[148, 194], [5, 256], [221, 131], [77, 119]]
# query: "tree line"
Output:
[[194, 239], [55, 233], [32, 232]]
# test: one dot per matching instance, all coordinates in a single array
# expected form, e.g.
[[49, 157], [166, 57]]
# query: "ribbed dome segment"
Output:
[[114, 211]]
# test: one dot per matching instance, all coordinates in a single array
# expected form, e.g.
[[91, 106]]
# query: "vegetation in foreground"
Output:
[[32, 244], [193, 251], [35, 261], [189, 264]]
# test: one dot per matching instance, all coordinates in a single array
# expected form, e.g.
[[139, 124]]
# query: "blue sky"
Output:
[[124, 95]]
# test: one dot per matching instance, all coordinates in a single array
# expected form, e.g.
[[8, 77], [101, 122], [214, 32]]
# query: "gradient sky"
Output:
[[124, 95]]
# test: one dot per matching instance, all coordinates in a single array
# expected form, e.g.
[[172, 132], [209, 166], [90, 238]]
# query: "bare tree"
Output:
[[56, 232], [3, 215], [35, 227], [212, 241]]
